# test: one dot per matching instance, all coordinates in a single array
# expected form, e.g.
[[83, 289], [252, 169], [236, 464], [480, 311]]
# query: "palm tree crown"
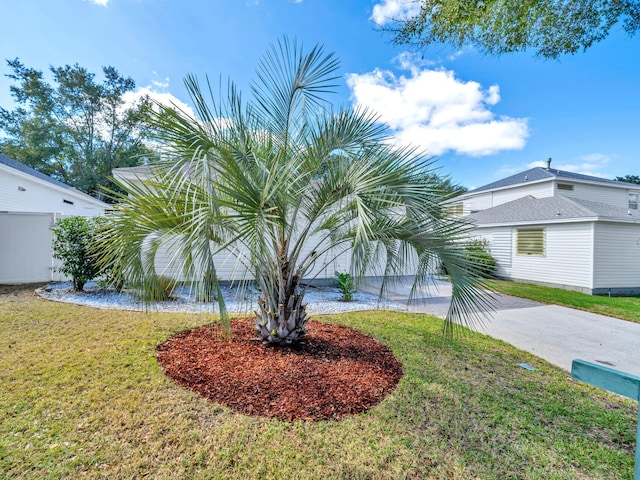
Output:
[[289, 185]]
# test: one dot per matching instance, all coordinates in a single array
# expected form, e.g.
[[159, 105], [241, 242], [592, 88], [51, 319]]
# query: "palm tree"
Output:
[[289, 185]]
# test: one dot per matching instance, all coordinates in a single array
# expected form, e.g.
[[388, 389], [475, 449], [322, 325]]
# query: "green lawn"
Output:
[[626, 308], [81, 396]]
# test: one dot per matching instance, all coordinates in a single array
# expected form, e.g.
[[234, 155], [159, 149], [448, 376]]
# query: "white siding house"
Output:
[[616, 256], [544, 226], [30, 203], [560, 229], [229, 264]]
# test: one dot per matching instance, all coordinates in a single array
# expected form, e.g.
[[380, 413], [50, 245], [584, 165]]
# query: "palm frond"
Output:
[[288, 185]]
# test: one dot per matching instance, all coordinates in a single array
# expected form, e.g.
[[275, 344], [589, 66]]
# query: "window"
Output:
[[453, 210], [633, 201], [530, 241], [565, 186]]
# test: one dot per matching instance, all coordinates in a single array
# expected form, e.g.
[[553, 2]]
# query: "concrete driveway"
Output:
[[556, 334]]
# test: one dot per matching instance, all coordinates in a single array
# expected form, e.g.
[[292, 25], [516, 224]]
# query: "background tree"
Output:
[[75, 130], [550, 27], [447, 186], [629, 179], [288, 185]]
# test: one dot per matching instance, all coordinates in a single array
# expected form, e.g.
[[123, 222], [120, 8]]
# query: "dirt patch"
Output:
[[337, 371], [21, 290]]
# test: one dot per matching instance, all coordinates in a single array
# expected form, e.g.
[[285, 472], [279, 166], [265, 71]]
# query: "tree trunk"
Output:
[[78, 284], [282, 324]]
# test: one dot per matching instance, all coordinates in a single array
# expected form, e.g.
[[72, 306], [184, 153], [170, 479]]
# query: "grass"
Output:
[[625, 308], [81, 395]]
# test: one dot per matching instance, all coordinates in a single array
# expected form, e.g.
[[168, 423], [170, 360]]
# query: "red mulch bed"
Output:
[[337, 371]]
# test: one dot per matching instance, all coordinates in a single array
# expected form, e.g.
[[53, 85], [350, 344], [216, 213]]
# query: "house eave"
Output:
[[473, 193], [66, 191], [555, 178], [558, 221]]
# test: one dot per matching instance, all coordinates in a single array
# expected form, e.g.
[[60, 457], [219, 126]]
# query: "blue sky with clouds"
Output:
[[484, 118]]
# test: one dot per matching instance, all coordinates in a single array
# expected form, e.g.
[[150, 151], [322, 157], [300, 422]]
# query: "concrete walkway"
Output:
[[556, 334]]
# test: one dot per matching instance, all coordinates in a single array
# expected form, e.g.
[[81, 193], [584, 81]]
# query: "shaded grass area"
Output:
[[625, 308], [81, 395]]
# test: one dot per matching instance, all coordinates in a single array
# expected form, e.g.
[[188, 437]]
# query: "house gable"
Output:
[[23, 189], [546, 182]]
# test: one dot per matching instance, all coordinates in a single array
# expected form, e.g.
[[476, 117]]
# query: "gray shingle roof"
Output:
[[559, 208], [539, 173], [30, 171]]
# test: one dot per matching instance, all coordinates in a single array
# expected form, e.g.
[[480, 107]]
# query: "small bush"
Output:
[[477, 253], [159, 289], [72, 242], [345, 285]]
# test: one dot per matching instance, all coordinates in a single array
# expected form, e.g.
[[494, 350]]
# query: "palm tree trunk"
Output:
[[282, 324]]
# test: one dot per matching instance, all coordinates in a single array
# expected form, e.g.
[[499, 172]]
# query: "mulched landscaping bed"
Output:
[[337, 371]]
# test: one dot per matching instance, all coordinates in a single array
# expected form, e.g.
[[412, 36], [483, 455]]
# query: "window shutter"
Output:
[[530, 241]]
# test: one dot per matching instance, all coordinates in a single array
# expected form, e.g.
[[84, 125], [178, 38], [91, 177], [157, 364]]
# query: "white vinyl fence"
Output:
[[25, 248]]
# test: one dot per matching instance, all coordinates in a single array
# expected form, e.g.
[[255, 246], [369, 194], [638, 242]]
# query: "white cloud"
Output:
[[389, 10], [159, 83], [434, 110], [455, 55], [413, 61], [168, 100], [102, 3], [164, 98]]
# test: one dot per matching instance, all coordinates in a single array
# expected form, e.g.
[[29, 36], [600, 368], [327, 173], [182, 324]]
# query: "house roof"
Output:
[[30, 171], [539, 173], [21, 167], [140, 169], [556, 209]]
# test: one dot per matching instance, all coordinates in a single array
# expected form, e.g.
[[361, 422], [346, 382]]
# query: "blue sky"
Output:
[[484, 118]]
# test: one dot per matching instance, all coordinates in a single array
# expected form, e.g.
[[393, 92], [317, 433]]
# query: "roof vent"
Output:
[[526, 178], [558, 213], [22, 189], [549, 163]]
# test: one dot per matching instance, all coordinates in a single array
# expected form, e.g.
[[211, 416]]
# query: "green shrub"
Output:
[[477, 252], [72, 242], [345, 285], [161, 288]]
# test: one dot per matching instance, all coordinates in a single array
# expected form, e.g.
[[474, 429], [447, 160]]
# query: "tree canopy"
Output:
[[73, 129], [629, 179], [287, 185], [549, 27]]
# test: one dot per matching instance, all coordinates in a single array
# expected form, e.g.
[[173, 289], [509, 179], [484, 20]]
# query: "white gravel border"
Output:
[[320, 300]]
